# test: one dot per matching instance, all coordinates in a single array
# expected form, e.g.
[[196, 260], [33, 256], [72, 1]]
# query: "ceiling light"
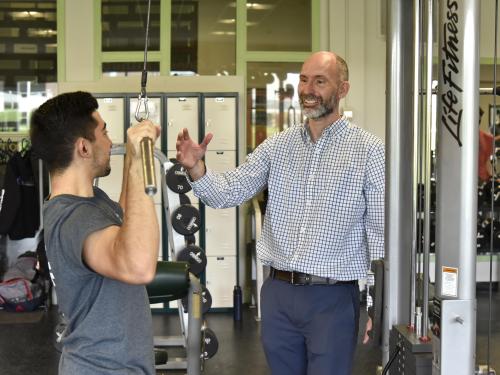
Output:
[[223, 33], [26, 14], [259, 6], [42, 32], [227, 21]]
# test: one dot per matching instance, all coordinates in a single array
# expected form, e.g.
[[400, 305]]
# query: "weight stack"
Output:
[[414, 357]]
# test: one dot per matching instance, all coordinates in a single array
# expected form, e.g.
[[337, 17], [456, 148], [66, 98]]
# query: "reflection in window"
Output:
[[28, 63], [17, 105], [27, 42], [279, 25], [203, 37], [273, 102], [124, 25], [124, 69]]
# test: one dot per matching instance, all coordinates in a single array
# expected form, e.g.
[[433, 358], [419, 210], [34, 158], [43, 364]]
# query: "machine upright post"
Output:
[[399, 167], [457, 176]]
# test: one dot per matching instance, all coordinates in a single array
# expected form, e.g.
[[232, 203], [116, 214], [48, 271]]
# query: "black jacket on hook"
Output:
[[20, 212]]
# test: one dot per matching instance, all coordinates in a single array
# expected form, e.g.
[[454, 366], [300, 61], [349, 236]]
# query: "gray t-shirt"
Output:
[[109, 322]]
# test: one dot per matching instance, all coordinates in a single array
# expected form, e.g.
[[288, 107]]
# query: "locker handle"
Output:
[[219, 152]]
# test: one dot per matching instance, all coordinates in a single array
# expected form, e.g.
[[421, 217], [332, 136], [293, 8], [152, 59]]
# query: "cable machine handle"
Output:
[[148, 166], [147, 146]]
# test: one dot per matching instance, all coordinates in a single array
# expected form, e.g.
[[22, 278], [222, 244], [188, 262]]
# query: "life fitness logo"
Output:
[[452, 111]]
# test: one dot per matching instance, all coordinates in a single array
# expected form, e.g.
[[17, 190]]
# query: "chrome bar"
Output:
[[427, 174], [415, 195]]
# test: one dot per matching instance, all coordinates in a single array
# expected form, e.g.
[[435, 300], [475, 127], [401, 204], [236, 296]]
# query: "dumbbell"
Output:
[[432, 241], [484, 194], [190, 239], [481, 240], [184, 199], [206, 300], [177, 179], [195, 257], [186, 219], [433, 194], [209, 343]]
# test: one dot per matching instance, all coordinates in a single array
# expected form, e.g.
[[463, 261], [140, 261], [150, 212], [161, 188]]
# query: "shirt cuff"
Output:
[[203, 183]]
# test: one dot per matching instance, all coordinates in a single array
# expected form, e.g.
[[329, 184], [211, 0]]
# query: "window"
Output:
[[279, 25], [28, 67], [272, 100], [124, 25], [203, 37]]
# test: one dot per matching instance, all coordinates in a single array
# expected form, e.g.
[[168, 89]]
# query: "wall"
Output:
[[353, 30], [78, 46]]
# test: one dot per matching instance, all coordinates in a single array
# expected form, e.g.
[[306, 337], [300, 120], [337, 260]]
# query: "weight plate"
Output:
[[184, 199], [210, 344], [206, 300], [177, 179], [196, 258], [186, 219], [190, 239]]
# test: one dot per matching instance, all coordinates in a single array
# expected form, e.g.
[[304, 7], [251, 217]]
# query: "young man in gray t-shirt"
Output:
[[101, 253]]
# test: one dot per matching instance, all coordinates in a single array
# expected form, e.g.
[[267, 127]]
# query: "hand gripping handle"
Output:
[[148, 166]]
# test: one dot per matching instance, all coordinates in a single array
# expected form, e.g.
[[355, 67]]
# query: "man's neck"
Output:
[[72, 182], [316, 127]]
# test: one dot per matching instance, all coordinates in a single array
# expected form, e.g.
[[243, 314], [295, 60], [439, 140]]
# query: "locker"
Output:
[[221, 279], [182, 112], [220, 228], [220, 119], [112, 111], [220, 161]]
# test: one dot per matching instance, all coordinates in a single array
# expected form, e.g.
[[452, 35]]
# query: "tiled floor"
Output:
[[29, 348]]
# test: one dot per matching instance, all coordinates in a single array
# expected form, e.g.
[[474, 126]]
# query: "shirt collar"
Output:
[[335, 129]]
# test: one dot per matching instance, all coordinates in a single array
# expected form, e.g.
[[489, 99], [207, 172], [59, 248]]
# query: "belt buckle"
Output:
[[295, 279]]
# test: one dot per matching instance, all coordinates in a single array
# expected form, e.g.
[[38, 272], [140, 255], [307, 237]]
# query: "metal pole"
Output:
[[457, 149], [427, 174], [493, 182], [193, 341], [415, 197], [399, 167]]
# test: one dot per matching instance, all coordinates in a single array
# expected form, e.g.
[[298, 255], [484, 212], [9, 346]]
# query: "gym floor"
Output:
[[28, 348]]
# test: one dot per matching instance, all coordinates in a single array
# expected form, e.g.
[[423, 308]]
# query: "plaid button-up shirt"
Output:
[[325, 211]]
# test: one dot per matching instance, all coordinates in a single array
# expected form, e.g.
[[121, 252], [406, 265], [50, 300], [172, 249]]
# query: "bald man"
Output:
[[324, 222]]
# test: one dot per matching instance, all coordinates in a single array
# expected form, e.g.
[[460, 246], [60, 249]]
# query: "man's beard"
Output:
[[104, 170], [323, 109]]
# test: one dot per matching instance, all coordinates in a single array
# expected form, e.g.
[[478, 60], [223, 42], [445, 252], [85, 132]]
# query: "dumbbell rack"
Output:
[[190, 320]]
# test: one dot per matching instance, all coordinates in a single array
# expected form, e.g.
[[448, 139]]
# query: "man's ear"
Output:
[[343, 89], [83, 148]]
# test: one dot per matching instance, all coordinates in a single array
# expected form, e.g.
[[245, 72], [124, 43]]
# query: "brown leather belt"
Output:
[[299, 278]]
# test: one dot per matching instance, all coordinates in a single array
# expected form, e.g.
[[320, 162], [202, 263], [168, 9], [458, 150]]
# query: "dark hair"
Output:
[[58, 123]]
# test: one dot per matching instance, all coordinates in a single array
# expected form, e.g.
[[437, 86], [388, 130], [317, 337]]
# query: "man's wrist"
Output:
[[198, 171]]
